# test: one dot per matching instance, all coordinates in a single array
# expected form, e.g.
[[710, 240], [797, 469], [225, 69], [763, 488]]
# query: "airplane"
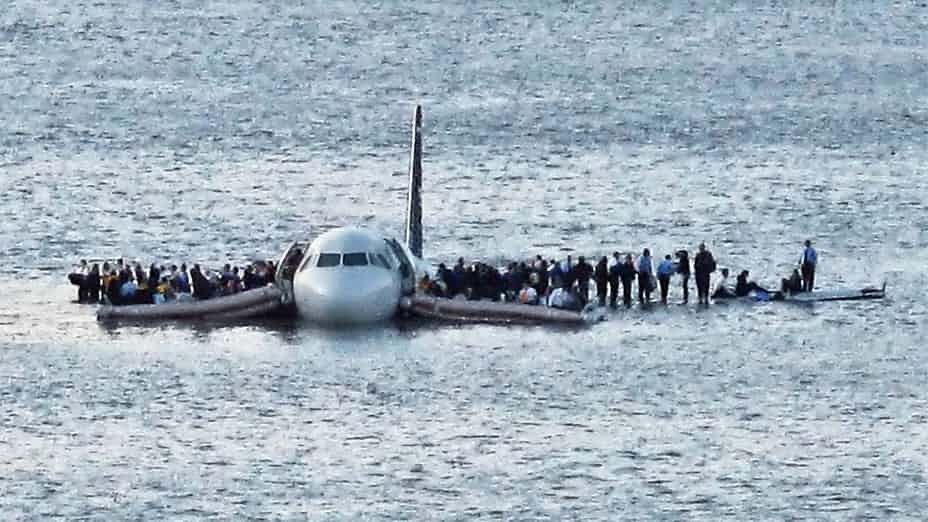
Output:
[[349, 276], [353, 275]]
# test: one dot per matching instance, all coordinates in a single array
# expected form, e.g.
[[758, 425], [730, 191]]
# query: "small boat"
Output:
[[847, 294], [257, 302]]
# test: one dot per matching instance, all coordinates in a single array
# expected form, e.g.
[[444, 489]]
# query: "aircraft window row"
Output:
[[329, 259]]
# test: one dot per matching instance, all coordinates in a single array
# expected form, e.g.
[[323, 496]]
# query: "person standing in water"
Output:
[[703, 265], [807, 266]]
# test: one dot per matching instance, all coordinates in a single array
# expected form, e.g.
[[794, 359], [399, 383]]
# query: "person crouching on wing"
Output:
[[721, 287], [793, 284], [528, 295], [564, 299], [807, 265], [744, 287]]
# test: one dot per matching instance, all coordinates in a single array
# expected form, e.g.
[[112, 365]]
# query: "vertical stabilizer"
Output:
[[414, 203]]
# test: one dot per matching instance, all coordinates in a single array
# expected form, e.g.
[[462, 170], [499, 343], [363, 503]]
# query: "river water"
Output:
[[222, 130]]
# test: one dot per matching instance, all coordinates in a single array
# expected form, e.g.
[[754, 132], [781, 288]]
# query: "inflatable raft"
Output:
[[252, 303], [488, 311]]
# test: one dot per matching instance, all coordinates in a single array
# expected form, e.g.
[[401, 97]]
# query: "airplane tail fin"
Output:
[[414, 201]]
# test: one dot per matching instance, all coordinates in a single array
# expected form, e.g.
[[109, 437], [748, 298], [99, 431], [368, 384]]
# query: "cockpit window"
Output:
[[308, 260], [326, 260], [355, 259], [378, 260], [384, 261]]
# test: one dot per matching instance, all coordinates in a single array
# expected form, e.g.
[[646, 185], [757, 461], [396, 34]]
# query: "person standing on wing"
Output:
[[627, 273], [703, 266], [683, 268], [664, 271], [807, 267], [614, 277], [645, 272]]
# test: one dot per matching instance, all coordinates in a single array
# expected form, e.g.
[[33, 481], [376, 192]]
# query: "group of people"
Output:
[[570, 284], [122, 283]]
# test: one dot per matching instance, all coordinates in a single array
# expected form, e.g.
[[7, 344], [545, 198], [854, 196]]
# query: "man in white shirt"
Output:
[[645, 272], [721, 287], [614, 278]]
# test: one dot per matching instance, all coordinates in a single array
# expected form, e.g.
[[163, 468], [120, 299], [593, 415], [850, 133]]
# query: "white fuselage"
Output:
[[348, 275]]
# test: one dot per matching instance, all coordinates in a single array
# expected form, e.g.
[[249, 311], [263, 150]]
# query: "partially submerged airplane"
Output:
[[351, 275]]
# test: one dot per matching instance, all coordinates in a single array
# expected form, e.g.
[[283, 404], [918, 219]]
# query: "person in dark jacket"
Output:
[[201, 287], [683, 268], [92, 285], [627, 273], [154, 276], [181, 281], [601, 275], [583, 272], [703, 265], [793, 284], [744, 287]]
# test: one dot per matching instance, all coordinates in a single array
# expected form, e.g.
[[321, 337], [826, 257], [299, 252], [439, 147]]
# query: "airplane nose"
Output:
[[348, 296], [345, 285]]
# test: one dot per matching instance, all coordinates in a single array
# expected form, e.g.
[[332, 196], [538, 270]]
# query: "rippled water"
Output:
[[206, 132]]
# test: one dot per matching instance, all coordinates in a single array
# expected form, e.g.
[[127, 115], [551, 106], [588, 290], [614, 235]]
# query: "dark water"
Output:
[[183, 131]]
